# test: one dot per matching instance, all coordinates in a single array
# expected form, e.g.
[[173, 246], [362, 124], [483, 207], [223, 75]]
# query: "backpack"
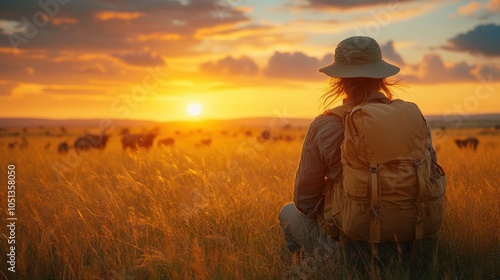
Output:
[[390, 190]]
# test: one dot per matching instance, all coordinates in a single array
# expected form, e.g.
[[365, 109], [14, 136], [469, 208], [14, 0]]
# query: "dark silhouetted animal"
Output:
[[470, 142], [89, 141], [204, 142], [12, 145], [265, 136], [63, 148], [166, 142], [136, 141]]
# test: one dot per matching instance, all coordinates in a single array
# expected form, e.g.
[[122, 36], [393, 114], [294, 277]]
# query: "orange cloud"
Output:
[[158, 37], [6, 89], [493, 6], [109, 15], [60, 21], [469, 9]]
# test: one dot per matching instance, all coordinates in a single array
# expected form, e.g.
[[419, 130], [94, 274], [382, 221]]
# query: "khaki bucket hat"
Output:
[[357, 57]]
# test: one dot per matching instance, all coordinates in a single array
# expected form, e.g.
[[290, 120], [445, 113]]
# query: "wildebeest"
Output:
[[136, 141], [89, 141], [12, 145], [166, 142], [204, 142], [265, 136], [63, 148], [470, 142]]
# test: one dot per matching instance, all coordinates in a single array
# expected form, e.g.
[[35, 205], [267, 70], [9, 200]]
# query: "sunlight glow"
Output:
[[194, 109]]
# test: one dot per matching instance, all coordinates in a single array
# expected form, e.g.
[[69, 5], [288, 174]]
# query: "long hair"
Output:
[[355, 90]]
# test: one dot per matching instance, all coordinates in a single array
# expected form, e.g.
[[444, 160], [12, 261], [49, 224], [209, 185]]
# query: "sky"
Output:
[[151, 59]]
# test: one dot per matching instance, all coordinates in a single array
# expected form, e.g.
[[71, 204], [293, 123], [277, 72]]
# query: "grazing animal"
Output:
[[89, 141], [470, 142], [12, 145], [63, 148], [166, 142], [265, 136], [136, 141], [204, 142]]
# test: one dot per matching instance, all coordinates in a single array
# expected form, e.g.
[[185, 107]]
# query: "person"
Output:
[[359, 76]]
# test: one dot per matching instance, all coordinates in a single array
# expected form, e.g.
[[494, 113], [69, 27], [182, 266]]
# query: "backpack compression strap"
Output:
[[419, 226], [375, 205]]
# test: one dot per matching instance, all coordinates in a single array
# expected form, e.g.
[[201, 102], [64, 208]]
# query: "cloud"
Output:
[[493, 6], [486, 71], [110, 15], [117, 34], [109, 25], [296, 65], [432, 70], [52, 68], [390, 54], [144, 58], [73, 91], [469, 9], [345, 4], [6, 89], [231, 66], [484, 40]]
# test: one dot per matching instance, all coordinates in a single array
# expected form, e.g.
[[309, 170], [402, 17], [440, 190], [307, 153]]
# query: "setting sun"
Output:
[[194, 109]]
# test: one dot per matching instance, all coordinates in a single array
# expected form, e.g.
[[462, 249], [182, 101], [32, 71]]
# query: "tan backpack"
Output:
[[390, 190]]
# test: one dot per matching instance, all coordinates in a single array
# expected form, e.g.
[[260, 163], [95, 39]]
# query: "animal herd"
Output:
[[90, 141], [98, 141], [470, 143]]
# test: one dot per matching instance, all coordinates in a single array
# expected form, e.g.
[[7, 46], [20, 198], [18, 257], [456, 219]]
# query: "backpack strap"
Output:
[[420, 205], [375, 204], [339, 111]]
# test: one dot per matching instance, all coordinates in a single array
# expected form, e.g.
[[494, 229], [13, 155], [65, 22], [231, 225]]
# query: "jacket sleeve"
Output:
[[320, 159]]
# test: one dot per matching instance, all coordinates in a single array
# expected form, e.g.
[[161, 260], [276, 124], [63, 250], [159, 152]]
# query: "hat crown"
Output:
[[357, 50]]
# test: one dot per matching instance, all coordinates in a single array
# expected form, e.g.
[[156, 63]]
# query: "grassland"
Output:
[[188, 212]]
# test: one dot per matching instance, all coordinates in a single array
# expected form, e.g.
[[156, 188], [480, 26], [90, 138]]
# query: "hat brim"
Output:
[[377, 70]]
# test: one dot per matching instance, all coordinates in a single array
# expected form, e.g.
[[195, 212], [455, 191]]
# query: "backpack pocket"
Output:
[[437, 181], [397, 223], [434, 215], [355, 181], [398, 181], [356, 218]]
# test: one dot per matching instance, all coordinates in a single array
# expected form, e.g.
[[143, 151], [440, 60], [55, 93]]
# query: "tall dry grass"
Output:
[[211, 213]]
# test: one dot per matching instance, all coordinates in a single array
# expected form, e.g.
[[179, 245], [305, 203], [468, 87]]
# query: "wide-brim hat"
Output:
[[357, 57]]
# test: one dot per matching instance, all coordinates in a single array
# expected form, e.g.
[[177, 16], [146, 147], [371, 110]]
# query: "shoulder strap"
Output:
[[339, 111]]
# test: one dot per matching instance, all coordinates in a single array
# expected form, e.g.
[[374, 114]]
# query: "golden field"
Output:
[[210, 212]]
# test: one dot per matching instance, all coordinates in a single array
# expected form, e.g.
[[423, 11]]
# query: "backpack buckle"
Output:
[[373, 169]]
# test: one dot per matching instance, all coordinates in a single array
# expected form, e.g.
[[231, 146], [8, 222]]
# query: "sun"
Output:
[[194, 109]]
